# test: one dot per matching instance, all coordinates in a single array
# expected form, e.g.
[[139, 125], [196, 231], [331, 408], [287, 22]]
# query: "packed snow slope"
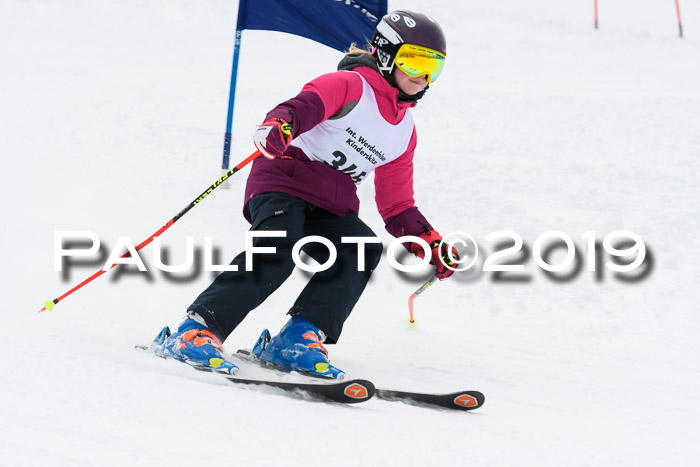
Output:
[[112, 116]]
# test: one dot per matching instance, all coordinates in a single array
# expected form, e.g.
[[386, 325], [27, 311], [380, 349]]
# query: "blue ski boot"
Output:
[[193, 344], [298, 348]]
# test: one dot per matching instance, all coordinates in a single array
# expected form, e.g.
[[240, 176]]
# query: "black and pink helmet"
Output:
[[406, 27]]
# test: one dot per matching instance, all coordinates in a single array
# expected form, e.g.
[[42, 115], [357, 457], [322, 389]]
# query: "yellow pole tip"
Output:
[[412, 324]]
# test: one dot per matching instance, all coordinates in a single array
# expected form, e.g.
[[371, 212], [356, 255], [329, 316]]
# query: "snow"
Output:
[[112, 120]]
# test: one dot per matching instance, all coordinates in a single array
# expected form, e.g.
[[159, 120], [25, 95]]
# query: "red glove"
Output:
[[439, 256], [273, 137]]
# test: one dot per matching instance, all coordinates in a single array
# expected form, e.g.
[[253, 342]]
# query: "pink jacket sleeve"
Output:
[[393, 184], [318, 100], [336, 90]]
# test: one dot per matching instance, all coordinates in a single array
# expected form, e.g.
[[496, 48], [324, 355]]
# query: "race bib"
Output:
[[359, 141]]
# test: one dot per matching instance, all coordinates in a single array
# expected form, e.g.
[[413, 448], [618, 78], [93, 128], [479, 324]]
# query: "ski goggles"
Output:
[[415, 61]]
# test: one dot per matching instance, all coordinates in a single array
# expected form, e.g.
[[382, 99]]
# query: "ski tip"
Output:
[[469, 400], [464, 400], [359, 390]]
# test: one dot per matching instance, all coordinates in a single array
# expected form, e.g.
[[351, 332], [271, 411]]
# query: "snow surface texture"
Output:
[[112, 116]]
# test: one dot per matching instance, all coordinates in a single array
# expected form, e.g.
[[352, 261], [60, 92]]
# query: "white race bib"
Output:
[[359, 141]]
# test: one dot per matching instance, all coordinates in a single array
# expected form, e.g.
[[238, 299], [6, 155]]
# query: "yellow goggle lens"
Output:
[[418, 61]]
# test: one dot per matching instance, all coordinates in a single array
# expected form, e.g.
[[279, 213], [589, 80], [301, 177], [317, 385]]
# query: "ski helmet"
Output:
[[396, 32]]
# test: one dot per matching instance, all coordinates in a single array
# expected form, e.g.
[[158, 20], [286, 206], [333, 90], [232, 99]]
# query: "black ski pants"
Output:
[[329, 296]]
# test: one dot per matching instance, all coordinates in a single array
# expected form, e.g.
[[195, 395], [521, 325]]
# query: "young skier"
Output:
[[318, 147]]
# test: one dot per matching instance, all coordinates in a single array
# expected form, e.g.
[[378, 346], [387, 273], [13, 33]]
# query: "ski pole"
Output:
[[680, 23], [411, 321], [50, 304], [595, 13]]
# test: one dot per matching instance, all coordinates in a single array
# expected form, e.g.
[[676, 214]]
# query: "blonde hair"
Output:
[[354, 49]]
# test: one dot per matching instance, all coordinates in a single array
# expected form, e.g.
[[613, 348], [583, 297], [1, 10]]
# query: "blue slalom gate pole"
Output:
[[231, 102]]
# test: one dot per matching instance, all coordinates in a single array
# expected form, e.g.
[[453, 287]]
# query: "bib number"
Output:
[[340, 163]]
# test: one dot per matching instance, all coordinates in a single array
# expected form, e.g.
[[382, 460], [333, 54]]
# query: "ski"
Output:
[[345, 392], [465, 400]]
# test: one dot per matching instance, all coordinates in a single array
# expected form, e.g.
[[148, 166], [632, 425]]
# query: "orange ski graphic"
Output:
[[465, 400], [356, 391]]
